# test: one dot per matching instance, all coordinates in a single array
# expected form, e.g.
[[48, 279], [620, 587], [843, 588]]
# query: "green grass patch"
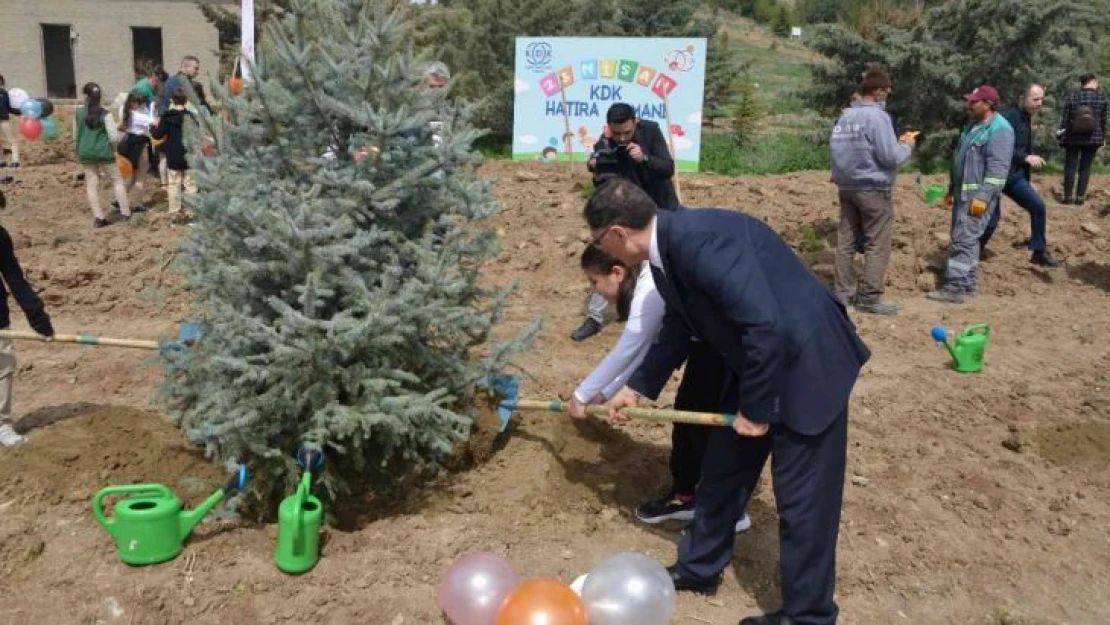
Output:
[[494, 146], [775, 153], [765, 154], [680, 165], [780, 67]]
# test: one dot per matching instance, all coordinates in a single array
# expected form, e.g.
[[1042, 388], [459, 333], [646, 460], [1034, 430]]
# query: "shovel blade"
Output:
[[507, 388]]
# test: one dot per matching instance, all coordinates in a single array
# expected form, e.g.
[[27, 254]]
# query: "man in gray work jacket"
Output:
[[980, 167], [865, 158]]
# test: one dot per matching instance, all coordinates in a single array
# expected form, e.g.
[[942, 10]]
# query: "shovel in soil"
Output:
[[507, 388], [187, 334]]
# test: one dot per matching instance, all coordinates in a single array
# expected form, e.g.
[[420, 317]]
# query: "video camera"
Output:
[[607, 159]]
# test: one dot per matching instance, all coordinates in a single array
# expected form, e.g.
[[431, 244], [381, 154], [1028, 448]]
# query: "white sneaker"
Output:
[[9, 437], [744, 524]]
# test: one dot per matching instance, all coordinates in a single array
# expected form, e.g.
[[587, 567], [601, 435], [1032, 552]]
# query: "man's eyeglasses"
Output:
[[601, 235]]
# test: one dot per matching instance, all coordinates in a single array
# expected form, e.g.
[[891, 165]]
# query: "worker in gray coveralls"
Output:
[[979, 170]]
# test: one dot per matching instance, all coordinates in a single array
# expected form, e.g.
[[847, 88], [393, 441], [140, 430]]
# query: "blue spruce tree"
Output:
[[336, 261]]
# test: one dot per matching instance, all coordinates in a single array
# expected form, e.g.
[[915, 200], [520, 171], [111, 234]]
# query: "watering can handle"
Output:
[[302, 496], [979, 328], [127, 489]]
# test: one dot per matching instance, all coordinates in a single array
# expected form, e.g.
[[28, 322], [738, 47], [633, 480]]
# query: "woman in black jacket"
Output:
[[1082, 132]]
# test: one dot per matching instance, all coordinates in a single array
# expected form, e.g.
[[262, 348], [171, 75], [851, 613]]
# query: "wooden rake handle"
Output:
[[82, 339], [658, 415]]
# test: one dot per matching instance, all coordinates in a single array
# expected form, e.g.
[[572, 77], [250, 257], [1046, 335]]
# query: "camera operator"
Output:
[[636, 150]]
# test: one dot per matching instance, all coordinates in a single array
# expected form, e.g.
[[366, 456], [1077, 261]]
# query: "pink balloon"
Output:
[[474, 588]]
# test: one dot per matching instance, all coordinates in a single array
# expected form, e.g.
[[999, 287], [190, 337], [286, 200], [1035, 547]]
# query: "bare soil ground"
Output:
[[970, 498]]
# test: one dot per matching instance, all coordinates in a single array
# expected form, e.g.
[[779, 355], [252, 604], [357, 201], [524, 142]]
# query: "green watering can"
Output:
[[299, 518], [971, 344], [932, 192], [150, 527]]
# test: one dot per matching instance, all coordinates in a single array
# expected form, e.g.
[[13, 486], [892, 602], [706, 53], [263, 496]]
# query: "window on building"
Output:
[[146, 44], [57, 54]]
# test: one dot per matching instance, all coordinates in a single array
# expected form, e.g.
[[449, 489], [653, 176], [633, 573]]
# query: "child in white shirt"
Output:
[[138, 118], [642, 308]]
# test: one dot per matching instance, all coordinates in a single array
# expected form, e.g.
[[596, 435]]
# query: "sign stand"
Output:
[[670, 141], [567, 136], [246, 38]]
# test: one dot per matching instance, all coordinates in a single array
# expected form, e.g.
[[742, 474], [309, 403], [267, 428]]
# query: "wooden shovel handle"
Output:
[[82, 339], [647, 414]]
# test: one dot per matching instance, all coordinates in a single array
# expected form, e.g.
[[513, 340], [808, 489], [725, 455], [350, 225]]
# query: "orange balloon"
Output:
[[124, 165], [542, 602], [235, 85]]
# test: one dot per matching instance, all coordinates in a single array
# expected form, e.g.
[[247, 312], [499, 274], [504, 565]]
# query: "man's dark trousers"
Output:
[[1021, 191], [808, 479]]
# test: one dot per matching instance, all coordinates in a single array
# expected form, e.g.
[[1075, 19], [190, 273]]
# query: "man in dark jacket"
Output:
[[1018, 187], [1082, 132], [185, 79], [14, 283], [792, 357], [635, 150]]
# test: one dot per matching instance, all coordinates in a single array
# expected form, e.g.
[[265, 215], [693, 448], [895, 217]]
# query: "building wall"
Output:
[[103, 50]]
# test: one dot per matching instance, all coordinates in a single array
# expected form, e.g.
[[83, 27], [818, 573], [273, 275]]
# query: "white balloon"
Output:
[[577, 584], [16, 97], [629, 589]]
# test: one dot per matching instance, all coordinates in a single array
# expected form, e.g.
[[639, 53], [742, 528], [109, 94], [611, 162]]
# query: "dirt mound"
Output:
[[128, 265], [74, 458], [1076, 444], [969, 498]]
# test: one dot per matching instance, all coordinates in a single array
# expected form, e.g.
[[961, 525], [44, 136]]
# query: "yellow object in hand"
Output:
[[978, 207], [910, 135]]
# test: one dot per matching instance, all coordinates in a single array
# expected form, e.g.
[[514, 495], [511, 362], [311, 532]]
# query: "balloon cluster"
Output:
[[482, 588], [35, 120]]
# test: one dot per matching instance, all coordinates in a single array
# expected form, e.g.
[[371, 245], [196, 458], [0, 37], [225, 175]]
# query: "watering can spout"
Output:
[[188, 519]]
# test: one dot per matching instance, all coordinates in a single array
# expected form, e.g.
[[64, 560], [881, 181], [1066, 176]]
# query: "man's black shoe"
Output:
[[1044, 259], [775, 618], [683, 583], [588, 328]]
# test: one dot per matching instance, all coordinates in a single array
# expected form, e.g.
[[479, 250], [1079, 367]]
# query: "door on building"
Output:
[[57, 53], [146, 44]]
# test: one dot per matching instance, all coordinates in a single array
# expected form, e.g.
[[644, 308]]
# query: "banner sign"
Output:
[[565, 85]]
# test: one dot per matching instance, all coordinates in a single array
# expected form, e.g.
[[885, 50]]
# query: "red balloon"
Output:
[[542, 602], [235, 85], [30, 127]]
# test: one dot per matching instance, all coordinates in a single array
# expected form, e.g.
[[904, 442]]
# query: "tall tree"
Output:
[[956, 47], [336, 261]]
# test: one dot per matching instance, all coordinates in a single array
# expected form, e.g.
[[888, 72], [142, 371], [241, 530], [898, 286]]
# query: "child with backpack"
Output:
[[641, 307], [1082, 132], [95, 132], [173, 125]]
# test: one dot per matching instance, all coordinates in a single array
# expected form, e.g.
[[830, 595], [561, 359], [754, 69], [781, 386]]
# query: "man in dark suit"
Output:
[[793, 358]]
